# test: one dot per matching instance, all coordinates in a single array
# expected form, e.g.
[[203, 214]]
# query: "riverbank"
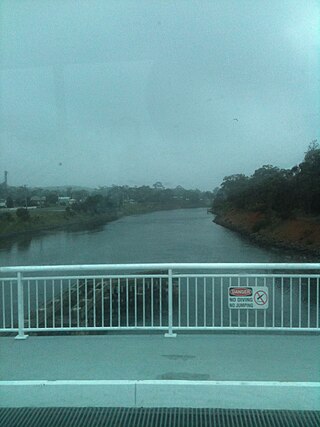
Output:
[[301, 234], [47, 221], [41, 220]]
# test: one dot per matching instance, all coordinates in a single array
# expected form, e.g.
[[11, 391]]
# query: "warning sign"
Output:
[[249, 297]]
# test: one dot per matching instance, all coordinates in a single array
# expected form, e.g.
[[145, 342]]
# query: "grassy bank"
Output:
[[42, 220], [301, 233], [48, 220]]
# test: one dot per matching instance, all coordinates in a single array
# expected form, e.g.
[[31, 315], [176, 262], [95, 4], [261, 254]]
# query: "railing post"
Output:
[[21, 335], [170, 334]]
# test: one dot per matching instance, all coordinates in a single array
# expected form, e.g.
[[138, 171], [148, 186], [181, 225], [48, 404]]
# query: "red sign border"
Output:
[[239, 288]]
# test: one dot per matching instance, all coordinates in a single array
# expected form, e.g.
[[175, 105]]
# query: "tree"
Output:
[[10, 203], [308, 180], [52, 198], [274, 190], [158, 185], [232, 189], [312, 154]]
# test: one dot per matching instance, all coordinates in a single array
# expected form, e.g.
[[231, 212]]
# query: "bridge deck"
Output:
[[215, 357], [187, 359]]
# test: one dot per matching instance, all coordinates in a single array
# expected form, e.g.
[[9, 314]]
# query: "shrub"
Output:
[[23, 214], [259, 225], [6, 217], [69, 212]]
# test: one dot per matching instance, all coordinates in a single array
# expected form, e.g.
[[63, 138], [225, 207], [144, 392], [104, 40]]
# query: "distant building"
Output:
[[38, 201], [66, 201], [3, 203]]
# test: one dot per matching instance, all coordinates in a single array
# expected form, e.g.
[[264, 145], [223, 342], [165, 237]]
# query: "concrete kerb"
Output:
[[176, 393]]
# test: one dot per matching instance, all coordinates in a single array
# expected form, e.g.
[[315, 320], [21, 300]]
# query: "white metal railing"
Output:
[[169, 297]]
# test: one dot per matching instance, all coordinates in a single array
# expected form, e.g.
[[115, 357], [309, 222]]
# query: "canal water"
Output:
[[184, 235]]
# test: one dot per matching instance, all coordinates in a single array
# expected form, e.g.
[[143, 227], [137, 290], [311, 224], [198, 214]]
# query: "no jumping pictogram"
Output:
[[260, 297]]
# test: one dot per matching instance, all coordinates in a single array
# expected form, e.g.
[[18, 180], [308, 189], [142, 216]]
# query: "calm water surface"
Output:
[[186, 235]]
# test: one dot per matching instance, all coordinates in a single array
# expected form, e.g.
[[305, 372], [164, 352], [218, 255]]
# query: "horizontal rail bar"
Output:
[[165, 266], [245, 328], [164, 328], [226, 275], [164, 275], [101, 277], [94, 328]]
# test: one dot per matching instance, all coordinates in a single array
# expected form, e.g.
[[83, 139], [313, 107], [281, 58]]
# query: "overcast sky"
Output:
[[102, 92]]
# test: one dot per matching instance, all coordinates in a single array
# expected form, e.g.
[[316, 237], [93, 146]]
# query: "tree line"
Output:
[[283, 192], [116, 197], [103, 199]]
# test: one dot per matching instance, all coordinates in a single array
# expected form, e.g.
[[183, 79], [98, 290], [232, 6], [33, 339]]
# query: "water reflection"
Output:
[[24, 243]]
